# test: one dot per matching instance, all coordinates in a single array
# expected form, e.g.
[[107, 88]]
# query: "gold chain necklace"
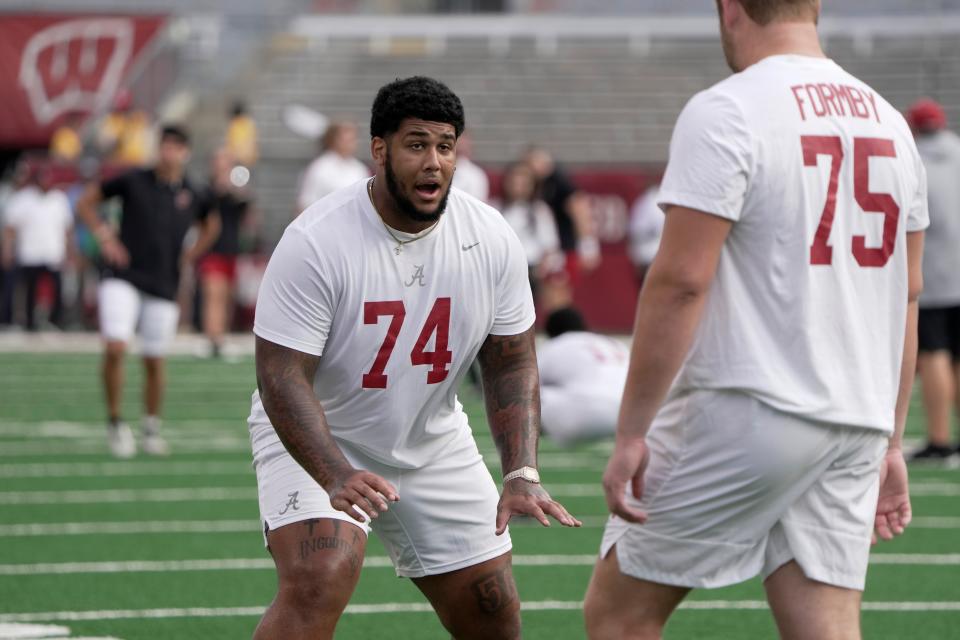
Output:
[[400, 241]]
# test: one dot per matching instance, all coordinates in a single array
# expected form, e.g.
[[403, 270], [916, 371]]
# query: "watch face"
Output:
[[531, 475]]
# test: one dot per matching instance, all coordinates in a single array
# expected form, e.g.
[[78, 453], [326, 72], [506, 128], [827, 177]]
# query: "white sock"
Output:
[[151, 425]]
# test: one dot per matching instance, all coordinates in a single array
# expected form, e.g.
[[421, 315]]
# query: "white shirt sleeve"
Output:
[[710, 157], [514, 299], [298, 296], [918, 216]]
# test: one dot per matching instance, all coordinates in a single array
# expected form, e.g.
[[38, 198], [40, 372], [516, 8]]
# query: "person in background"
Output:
[[141, 274], [468, 176], [646, 227], [66, 144], [217, 270], [939, 325], [125, 136], [20, 186], [241, 138], [37, 234], [335, 167], [571, 210], [581, 380], [531, 220]]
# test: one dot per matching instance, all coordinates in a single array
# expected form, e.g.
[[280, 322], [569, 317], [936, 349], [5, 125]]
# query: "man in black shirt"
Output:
[[140, 274]]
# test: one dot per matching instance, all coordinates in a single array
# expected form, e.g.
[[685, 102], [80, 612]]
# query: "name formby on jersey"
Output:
[[824, 99]]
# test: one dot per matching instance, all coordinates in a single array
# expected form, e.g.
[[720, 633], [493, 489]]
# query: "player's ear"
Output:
[[730, 11], [378, 151]]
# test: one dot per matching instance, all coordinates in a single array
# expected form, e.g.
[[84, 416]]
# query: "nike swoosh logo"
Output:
[[467, 247]]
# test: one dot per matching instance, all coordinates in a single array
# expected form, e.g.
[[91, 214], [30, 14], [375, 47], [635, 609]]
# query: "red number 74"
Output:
[[438, 322]]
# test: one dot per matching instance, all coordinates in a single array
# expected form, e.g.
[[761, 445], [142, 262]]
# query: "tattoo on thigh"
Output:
[[314, 543], [495, 591]]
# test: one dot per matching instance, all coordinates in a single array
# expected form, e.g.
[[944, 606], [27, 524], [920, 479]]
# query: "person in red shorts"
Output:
[[217, 270]]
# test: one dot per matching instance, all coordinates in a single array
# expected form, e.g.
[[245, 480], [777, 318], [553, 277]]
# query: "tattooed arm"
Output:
[[285, 381], [511, 390]]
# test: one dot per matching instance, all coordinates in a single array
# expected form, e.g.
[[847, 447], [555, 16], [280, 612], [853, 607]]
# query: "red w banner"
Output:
[[52, 65]]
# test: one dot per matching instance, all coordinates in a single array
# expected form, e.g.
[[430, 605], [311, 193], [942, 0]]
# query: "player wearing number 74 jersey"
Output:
[[774, 347], [375, 303]]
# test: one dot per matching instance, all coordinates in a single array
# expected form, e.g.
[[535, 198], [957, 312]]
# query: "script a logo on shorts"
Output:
[[57, 82], [416, 277], [292, 503]]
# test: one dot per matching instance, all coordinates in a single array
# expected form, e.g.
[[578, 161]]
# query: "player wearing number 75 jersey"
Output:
[[375, 303], [774, 346]]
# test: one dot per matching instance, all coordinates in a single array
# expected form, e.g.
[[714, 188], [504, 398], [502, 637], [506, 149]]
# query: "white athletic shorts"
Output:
[[735, 488], [123, 309], [445, 519]]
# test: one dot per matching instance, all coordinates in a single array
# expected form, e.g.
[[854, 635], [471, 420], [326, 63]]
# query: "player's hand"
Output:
[[361, 492], [521, 497], [113, 252], [627, 464], [893, 506]]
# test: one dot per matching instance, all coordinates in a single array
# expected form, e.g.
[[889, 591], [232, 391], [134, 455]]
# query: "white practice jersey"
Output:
[[584, 363], [395, 332], [822, 180]]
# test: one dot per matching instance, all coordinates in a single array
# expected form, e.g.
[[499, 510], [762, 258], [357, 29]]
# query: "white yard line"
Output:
[[373, 562], [201, 494], [96, 446], [128, 528], [179, 468], [136, 527], [419, 607], [101, 496], [125, 469]]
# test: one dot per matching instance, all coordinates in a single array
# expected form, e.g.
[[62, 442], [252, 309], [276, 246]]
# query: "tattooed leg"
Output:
[[318, 565], [478, 602]]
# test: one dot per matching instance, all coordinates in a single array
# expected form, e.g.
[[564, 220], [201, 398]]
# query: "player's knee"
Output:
[[501, 624], [115, 350], [312, 593], [606, 622]]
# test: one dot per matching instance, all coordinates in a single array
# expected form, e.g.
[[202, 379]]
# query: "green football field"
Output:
[[170, 548]]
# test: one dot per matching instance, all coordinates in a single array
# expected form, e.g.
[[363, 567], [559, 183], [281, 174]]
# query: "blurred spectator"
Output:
[[217, 270], [468, 176], [141, 268], [571, 210], [335, 167], [938, 360], [66, 144], [37, 233], [582, 375], [126, 134], [533, 223], [241, 139], [20, 186], [646, 227]]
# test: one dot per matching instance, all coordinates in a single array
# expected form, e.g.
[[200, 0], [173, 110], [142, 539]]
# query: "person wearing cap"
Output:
[[939, 323], [140, 274]]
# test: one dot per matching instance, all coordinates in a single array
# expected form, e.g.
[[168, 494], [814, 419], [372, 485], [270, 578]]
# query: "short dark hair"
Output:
[[564, 320], [415, 97], [763, 12], [176, 133]]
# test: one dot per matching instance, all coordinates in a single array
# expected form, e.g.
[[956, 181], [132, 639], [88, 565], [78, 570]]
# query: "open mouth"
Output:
[[428, 190]]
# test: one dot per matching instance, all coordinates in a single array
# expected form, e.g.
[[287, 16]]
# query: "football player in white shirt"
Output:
[[581, 379], [774, 346], [374, 304]]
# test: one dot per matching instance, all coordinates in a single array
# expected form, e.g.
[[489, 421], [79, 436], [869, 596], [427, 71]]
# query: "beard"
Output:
[[405, 205]]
